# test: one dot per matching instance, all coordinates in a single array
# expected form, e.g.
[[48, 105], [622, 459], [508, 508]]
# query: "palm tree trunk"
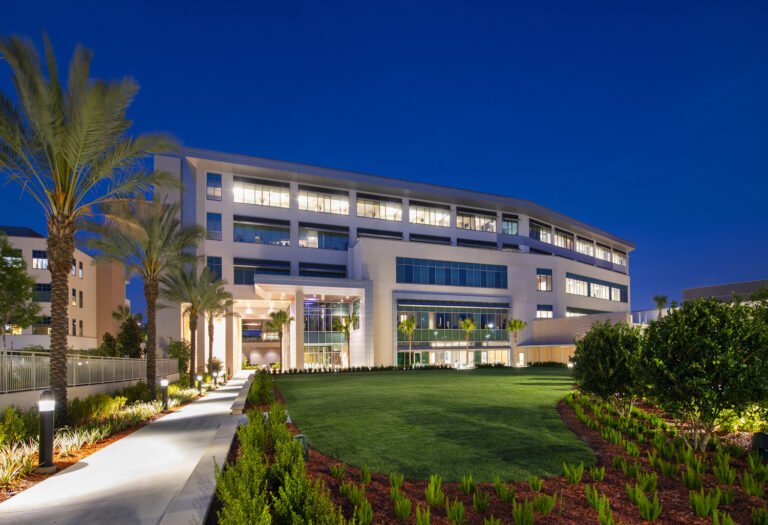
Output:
[[410, 347], [210, 343], [282, 352], [150, 295], [193, 349], [349, 350], [61, 248]]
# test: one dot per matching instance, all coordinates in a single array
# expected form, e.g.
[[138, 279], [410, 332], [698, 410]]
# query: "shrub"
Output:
[[422, 518], [17, 425], [725, 474], [491, 521], [543, 503], [649, 510], [402, 506], [396, 480], [522, 513], [480, 501], [632, 470], [722, 518], [647, 482], [574, 473], [604, 513], [619, 462], [634, 493], [535, 484], [434, 491], [704, 505], [671, 470], [467, 485], [751, 486], [179, 349], [760, 516], [505, 493], [338, 471], [691, 479], [262, 389], [696, 464], [137, 392], [455, 512], [364, 513], [95, 406], [365, 475], [548, 364]]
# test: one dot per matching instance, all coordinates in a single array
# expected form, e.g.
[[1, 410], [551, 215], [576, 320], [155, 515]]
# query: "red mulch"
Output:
[[64, 462]]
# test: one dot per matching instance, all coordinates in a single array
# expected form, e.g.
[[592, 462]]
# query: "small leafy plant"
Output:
[[619, 462], [635, 493], [543, 503], [592, 496], [365, 475], [647, 482], [434, 491], [597, 473], [650, 510], [722, 518], [704, 505], [604, 512], [725, 474], [671, 470], [522, 513], [402, 506], [364, 513], [455, 512], [505, 493], [691, 479], [338, 471], [760, 516], [480, 501], [491, 521], [396, 480], [632, 470], [356, 494], [467, 485], [573, 473], [751, 486], [422, 518], [535, 483]]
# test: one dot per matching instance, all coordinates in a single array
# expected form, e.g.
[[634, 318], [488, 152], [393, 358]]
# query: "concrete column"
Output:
[[231, 364], [297, 331]]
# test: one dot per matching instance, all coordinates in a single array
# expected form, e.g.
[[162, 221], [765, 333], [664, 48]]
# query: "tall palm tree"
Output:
[[191, 290], [218, 304], [467, 324], [67, 146], [408, 326], [278, 322], [514, 326], [661, 303], [344, 325], [123, 313], [149, 239]]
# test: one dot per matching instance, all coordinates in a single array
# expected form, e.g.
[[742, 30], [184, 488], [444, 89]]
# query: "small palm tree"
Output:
[[218, 304], [344, 326], [190, 290], [514, 326], [149, 239], [67, 146], [123, 313], [661, 303], [467, 324], [278, 322], [408, 326]]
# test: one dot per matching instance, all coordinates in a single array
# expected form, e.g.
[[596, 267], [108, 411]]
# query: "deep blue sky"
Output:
[[649, 121]]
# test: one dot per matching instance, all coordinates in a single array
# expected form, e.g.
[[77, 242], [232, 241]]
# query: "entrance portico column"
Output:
[[297, 331]]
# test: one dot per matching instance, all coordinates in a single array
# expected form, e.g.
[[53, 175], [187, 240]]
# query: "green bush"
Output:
[[691, 479], [535, 484], [751, 486], [262, 389], [574, 473], [597, 473], [480, 501], [722, 518], [422, 518], [17, 425], [137, 392], [522, 513], [402, 506], [543, 503], [467, 485], [505, 493], [704, 505], [396, 480], [363, 513], [434, 491], [455, 512], [365, 475], [548, 364], [650, 510], [760, 516], [338, 471], [95, 406], [592, 496]]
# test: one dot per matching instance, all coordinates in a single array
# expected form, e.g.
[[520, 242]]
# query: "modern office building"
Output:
[[96, 291], [323, 243]]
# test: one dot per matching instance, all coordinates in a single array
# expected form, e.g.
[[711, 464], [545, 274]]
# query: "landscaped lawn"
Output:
[[485, 422]]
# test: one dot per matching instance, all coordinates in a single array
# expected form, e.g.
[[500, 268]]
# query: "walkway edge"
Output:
[[238, 407], [192, 504]]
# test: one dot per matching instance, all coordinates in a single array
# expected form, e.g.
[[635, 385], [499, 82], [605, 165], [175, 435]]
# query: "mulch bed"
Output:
[[63, 462]]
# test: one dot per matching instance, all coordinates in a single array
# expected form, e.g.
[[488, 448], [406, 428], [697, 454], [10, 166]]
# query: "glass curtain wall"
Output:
[[439, 339], [323, 346]]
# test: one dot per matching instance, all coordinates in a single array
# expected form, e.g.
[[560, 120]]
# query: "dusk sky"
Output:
[[648, 120]]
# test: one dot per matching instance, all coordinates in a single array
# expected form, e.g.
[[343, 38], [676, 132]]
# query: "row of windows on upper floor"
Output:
[[40, 262], [546, 311], [43, 327], [42, 294], [271, 193]]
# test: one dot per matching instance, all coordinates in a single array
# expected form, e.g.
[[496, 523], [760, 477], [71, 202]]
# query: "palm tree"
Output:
[[467, 325], [67, 146], [514, 326], [278, 322], [218, 304], [408, 326], [123, 313], [661, 303], [344, 326], [149, 239], [191, 290]]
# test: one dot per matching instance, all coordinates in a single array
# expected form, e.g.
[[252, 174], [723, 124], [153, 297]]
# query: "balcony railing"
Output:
[[31, 370]]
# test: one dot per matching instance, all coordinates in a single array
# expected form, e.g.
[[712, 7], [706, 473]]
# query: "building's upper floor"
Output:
[[244, 199]]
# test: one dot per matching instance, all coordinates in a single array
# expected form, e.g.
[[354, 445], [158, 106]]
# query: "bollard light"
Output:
[[46, 406], [215, 379], [164, 386], [199, 383]]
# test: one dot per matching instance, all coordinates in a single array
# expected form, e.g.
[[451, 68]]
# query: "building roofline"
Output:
[[21, 231], [405, 186], [756, 281]]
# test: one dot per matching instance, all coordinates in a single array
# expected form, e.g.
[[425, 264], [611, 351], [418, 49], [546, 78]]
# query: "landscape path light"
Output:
[[164, 386], [215, 378], [200, 383], [46, 406]]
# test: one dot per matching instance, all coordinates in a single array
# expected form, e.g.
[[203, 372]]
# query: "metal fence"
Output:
[[31, 370]]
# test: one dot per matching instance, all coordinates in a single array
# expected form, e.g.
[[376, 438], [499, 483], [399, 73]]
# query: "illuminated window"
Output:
[[379, 208], [311, 237], [213, 226], [261, 193], [74, 267], [80, 269], [563, 239], [323, 201], [619, 258], [430, 215], [599, 291], [576, 286], [544, 311], [603, 252], [39, 259], [213, 186], [509, 224], [540, 231], [469, 220], [585, 246], [15, 330], [276, 233], [543, 280], [74, 297]]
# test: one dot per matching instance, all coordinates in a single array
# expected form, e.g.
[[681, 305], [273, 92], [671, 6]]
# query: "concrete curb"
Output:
[[238, 407]]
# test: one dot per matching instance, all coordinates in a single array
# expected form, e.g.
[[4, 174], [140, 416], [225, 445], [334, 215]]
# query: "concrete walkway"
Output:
[[138, 478]]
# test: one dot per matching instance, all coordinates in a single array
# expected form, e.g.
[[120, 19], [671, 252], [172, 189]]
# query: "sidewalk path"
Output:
[[135, 479]]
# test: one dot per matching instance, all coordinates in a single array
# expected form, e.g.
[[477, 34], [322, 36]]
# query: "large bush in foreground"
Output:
[[706, 359], [606, 363]]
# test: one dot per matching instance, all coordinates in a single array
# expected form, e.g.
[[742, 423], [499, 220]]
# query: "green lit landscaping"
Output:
[[485, 422]]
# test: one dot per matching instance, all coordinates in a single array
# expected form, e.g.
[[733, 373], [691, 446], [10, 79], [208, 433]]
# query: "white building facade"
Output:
[[323, 243]]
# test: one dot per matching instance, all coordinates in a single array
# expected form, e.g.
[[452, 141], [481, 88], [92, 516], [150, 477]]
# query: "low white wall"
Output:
[[19, 342], [29, 398]]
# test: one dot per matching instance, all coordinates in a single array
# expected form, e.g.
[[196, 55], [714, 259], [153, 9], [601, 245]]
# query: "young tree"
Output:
[[67, 145], [607, 364], [149, 239], [661, 303], [514, 326], [218, 304], [344, 326], [467, 324], [16, 290], [129, 339], [278, 322], [188, 288], [408, 326], [705, 358]]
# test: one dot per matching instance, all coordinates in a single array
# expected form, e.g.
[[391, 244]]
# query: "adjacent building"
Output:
[[725, 292], [95, 292], [325, 243]]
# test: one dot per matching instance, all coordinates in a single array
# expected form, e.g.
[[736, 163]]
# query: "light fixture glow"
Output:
[[163, 382]]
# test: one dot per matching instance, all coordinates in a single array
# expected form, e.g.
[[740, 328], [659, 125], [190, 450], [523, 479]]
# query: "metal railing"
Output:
[[31, 370]]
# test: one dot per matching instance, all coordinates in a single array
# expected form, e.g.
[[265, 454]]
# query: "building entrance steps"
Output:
[[161, 472]]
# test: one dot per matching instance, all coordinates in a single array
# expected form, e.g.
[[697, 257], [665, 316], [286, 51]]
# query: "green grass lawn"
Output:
[[485, 422]]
